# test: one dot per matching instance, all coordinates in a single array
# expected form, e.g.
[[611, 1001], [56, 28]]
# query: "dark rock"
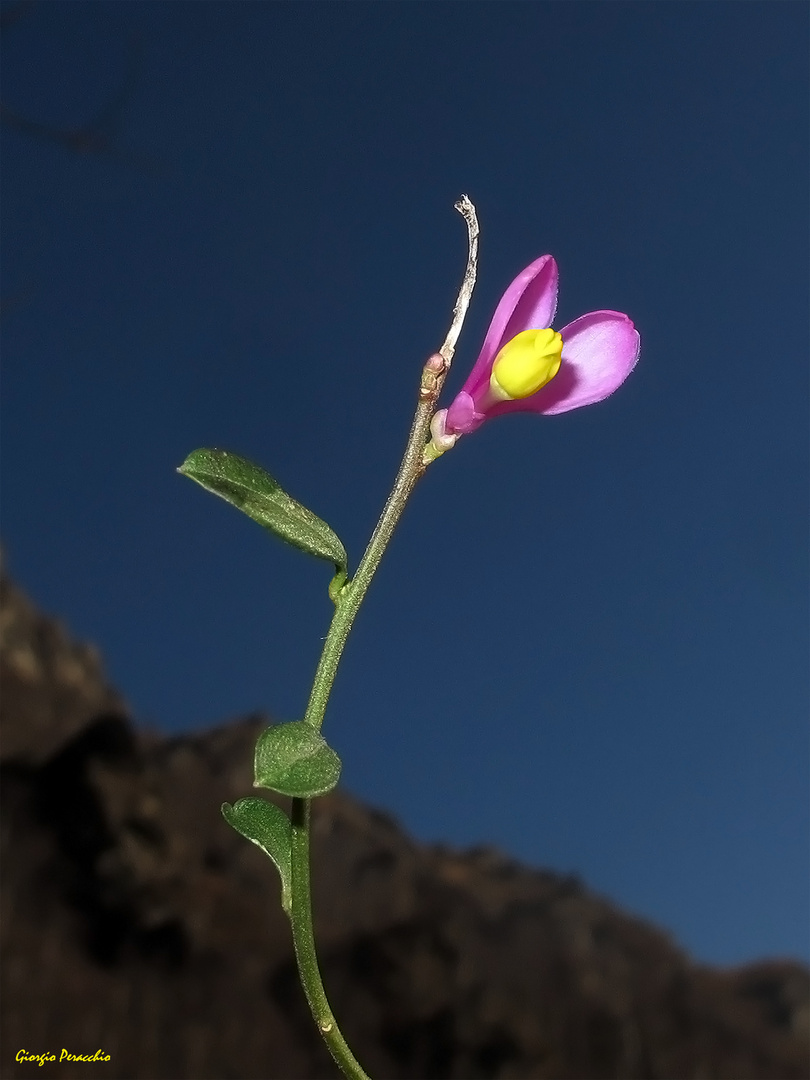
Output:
[[51, 685], [135, 921]]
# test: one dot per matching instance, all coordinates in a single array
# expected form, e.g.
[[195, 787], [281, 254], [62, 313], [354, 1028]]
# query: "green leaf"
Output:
[[295, 759], [257, 494], [268, 827]]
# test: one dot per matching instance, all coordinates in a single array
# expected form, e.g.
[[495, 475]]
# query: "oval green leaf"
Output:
[[255, 492], [294, 759], [268, 827]]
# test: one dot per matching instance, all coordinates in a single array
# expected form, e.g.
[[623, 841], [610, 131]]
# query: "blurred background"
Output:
[[231, 224]]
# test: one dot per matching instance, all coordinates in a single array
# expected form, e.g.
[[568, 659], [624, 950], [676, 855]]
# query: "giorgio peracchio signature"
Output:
[[65, 1055]]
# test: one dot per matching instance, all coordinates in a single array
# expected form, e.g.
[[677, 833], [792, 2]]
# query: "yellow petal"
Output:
[[524, 364]]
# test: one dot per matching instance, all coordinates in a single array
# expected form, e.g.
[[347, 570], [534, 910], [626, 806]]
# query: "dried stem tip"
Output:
[[467, 211]]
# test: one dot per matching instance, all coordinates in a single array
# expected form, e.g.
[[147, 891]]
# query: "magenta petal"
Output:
[[528, 304], [600, 350], [460, 419]]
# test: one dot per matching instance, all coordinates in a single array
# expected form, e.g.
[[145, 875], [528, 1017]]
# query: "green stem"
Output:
[[348, 598], [305, 953], [351, 596], [347, 605]]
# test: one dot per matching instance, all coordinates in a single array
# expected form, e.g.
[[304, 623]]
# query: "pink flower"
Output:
[[525, 366]]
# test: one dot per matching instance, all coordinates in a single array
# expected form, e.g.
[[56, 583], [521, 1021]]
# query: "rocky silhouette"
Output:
[[137, 925]]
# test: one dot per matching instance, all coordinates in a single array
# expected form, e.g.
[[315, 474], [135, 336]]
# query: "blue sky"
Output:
[[587, 642]]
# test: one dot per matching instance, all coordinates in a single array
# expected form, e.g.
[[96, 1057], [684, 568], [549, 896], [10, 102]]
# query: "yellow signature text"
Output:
[[40, 1059]]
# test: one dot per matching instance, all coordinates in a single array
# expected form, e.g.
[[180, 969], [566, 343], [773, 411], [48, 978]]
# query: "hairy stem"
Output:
[[410, 469], [351, 596], [305, 952], [348, 598]]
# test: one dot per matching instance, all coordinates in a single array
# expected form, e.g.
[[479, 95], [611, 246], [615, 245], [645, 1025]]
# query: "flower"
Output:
[[524, 366]]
